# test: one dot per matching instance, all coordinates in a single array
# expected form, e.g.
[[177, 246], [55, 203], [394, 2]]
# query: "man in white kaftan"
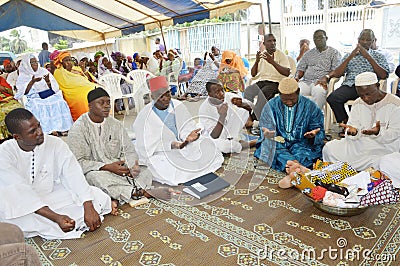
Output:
[[222, 116], [389, 165], [42, 187], [373, 128], [167, 141], [104, 150]]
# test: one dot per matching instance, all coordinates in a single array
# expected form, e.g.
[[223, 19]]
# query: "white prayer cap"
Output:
[[365, 79], [288, 86]]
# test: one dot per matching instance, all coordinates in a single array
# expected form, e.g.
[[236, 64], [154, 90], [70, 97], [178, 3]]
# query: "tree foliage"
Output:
[[17, 45], [61, 45], [4, 44]]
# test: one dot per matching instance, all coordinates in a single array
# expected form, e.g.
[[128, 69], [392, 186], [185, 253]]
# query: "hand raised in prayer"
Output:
[[373, 131], [323, 82], [363, 51], [65, 223], [356, 51], [268, 57], [135, 170], [222, 111], [118, 168], [47, 78], [352, 131], [311, 134], [35, 79], [268, 133], [211, 56], [194, 135], [237, 101], [258, 56], [91, 217]]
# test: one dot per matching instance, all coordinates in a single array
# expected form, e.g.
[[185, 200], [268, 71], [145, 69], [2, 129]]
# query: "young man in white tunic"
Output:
[[222, 116], [42, 187], [168, 142], [373, 129], [106, 153]]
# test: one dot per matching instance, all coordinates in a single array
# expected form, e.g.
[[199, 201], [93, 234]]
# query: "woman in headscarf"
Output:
[[7, 103], [44, 98], [105, 67], [120, 63], [74, 87], [232, 71], [139, 62], [209, 71]]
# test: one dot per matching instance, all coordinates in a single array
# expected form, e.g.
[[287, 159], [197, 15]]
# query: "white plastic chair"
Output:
[[394, 86], [293, 67], [138, 78], [112, 84], [173, 77]]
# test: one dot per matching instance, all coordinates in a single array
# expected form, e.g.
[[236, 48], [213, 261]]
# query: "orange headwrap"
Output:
[[60, 57], [236, 62], [6, 62]]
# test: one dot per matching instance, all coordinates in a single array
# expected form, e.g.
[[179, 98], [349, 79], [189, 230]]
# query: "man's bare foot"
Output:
[[162, 193], [249, 123], [285, 182], [248, 144], [114, 207], [292, 166]]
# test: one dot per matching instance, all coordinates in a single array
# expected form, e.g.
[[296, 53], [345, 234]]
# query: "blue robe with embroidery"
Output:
[[291, 123]]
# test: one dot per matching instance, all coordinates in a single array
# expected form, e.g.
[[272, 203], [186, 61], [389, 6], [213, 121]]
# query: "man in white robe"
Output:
[[167, 141], [222, 116], [106, 153], [42, 187], [373, 128], [389, 165]]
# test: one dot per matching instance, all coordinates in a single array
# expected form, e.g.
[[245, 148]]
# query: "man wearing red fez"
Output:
[[168, 142]]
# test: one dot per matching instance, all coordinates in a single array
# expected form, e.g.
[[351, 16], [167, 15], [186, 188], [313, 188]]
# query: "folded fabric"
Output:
[[318, 193], [303, 183], [331, 173], [384, 193], [361, 180], [336, 200]]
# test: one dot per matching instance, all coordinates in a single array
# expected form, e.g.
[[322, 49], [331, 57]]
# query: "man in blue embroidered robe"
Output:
[[292, 128]]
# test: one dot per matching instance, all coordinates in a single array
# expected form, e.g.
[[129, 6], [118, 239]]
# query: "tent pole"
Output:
[[104, 40], [269, 17], [162, 36], [248, 34], [262, 20]]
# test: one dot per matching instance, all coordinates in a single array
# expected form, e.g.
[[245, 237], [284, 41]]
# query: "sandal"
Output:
[[137, 193], [342, 134]]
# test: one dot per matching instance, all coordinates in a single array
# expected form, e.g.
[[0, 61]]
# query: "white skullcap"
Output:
[[365, 79], [288, 86]]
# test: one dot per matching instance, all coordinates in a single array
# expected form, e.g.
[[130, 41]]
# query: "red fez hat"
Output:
[[6, 62], [157, 83]]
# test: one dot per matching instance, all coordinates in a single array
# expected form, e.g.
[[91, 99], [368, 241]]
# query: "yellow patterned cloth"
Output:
[[330, 173], [303, 183]]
